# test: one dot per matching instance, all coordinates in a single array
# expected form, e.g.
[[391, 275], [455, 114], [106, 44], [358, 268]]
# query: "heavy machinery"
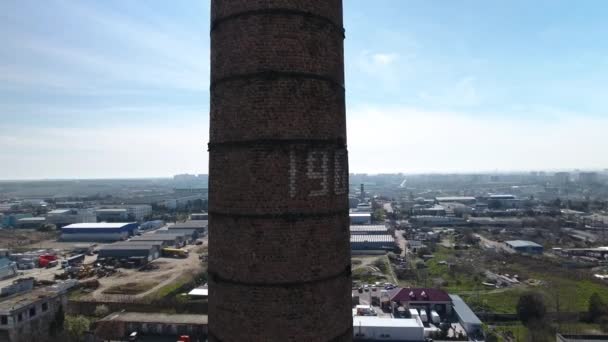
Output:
[[175, 253]]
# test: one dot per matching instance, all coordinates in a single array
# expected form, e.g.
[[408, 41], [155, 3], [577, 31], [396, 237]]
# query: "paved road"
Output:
[[401, 241], [388, 207]]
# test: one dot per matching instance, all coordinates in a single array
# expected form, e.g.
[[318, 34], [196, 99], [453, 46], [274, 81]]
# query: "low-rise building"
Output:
[[31, 222], [523, 246], [429, 220], [28, 316], [112, 215], [372, 229], [370, 243], [422, 298], [167, 240], [199, 216], [360, 218], [102, 231], [119, 325], [125, 250], [200, 226], [467, 318], [64, 217], [8, 268], [122, 213], [373, 328], [456, 199]]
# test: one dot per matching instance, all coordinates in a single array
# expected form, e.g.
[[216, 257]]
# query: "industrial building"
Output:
[[426, 210], [98, 231], [191, 234], [28, 315], [467, 318], [431, 220], [8, 268], [31, 222], [64, 217], [360, 218], [126, 250], [200, 225], [122, 213], [369, 243], [375, 229], [373, 328], [117, 325], [152, 225], [167, 240], [523, 246], [199, 216], [456, 199]]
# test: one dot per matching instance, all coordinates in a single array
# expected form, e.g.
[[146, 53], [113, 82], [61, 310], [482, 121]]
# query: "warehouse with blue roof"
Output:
[[101, 231]]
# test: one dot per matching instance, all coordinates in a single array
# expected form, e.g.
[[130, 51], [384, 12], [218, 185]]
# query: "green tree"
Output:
[[531, 309], [378, 215], [597, 308], [101, 310], [76, 327]]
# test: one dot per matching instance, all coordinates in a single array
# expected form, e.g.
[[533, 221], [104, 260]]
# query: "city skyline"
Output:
[[120, 90]]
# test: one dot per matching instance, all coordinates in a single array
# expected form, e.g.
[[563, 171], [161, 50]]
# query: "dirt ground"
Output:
[[133, 285], [15, 238]]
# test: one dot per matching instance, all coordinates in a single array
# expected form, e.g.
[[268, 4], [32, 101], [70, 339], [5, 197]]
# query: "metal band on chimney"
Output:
[[278, 11], [283, 216], [270, 75], [218, 279], [335, 143]]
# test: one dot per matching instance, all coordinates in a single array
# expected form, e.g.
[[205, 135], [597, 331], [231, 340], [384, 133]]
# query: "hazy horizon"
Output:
[[469, 172], [116, 89]]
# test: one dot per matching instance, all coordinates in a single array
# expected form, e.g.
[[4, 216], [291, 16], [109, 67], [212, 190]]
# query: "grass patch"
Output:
[[130, 288], [571, 288], [181, 284]]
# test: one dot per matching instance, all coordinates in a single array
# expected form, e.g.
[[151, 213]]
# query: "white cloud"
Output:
[[384, 58]]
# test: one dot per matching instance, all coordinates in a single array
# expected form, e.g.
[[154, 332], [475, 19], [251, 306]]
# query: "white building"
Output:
[[360, 218], [63, 217], [373, 328], [122, 213]]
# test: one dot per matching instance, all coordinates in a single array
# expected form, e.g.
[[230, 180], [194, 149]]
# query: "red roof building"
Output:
[[429, 299]]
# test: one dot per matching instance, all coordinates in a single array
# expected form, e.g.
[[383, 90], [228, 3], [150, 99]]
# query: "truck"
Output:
[[72, 261], [423, 316], [45, 260], [174, 253]]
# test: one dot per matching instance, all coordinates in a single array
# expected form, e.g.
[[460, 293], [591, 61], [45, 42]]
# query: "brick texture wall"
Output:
[[279, 254]]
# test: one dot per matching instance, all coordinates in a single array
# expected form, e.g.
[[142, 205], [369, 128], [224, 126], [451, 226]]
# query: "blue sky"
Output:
[[120, 88]]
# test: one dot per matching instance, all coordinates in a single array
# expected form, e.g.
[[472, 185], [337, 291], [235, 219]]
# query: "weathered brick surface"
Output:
[[331, 9], [251, 109], [284, 43], [279, 251], [298, 250], [305, 313], [258, 179]]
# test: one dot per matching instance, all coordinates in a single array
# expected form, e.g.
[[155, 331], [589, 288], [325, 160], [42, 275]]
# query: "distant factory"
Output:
[[98, 231]]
